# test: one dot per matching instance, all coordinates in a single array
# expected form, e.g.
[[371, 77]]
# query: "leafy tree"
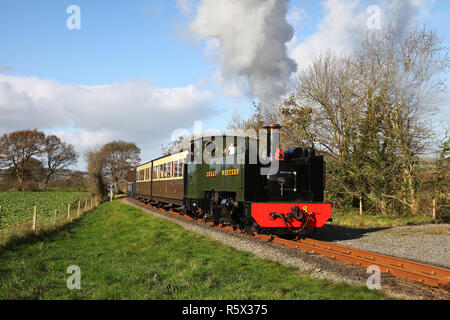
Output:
[[33, 174], [96, 181], [118, 158], [58, 155], [18, 148]]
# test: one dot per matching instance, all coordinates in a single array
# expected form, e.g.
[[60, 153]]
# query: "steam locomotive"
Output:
[[227, 180]]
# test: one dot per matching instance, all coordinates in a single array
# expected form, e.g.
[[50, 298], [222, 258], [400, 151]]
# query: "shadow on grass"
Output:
[[27, 236], [331, 232]]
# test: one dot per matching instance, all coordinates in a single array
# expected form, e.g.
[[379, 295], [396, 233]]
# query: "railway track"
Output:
[[402, 268]]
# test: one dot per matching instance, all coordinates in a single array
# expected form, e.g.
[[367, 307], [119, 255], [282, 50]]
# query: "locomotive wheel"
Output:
[[251, 228]]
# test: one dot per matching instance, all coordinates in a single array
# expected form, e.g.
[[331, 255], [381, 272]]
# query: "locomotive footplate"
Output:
[[290, 214]]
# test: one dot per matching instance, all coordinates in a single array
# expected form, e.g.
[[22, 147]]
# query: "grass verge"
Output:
[[124, 253], [352, 219]]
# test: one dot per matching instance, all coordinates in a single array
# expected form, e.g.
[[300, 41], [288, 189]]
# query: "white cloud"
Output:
[[345, 23], [137, 110], [297, 17], [186, 6], [85, 139], [338, 32]]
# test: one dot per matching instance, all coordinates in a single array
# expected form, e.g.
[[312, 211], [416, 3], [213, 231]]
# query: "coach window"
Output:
[[169, 170], [175, 169], [161, 171], [180, 168]]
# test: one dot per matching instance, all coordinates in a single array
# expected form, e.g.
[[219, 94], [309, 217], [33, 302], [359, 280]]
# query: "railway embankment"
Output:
[[121, 252], [313, 265]]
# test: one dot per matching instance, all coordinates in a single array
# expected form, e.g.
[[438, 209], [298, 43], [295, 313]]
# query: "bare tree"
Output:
[[256, 122], [370, 113], [180, 144], [408, 68], [18, 148], [118, 158], [58, 155]]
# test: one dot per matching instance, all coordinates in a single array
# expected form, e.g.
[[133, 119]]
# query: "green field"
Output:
[[17, 206], [124, 253]]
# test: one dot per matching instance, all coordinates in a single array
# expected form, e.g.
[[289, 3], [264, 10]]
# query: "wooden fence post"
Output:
[[360, 206], [34, 218], [68, 212], [54, 219], [78, 209], [85, 205], [434, 209]]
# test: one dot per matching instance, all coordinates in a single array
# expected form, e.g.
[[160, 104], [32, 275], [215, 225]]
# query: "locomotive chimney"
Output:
[[273, 139]]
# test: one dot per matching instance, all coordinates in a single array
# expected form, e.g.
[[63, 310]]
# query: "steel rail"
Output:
[[382, 258], [406, 269], [385, 266]]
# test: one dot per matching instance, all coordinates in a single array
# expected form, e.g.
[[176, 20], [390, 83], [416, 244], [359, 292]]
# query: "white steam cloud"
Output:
[[252, 37]]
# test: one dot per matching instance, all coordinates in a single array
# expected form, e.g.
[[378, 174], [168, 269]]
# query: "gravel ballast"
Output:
[[309, 264]]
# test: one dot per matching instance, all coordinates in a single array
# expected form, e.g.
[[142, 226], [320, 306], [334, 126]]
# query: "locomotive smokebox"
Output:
[[273, 139]]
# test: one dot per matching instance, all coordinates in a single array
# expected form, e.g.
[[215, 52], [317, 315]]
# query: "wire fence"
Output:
[[59, 217]]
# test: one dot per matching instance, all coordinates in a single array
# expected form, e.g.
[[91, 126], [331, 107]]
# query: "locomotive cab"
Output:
[[300, 177], [294, 193]]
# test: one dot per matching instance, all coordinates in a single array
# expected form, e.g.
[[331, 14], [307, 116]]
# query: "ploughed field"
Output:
[[124, 253], [17, 206]]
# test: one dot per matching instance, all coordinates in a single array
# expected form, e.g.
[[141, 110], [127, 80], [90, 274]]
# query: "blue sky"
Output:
[[117, 40], [148, 46]]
